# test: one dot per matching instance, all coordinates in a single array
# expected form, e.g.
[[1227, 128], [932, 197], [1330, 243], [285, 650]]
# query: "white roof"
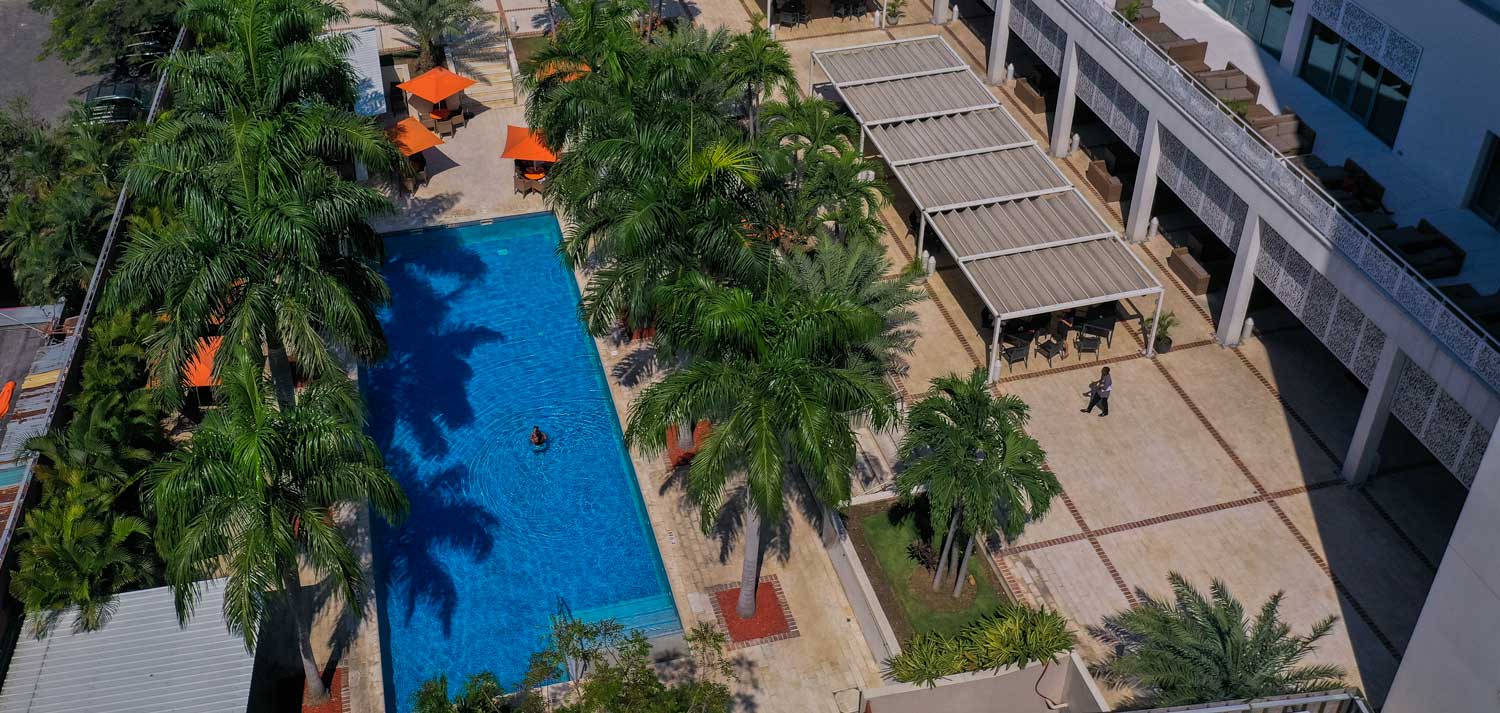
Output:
[[364, 58], [1024, 236], [142, 661]]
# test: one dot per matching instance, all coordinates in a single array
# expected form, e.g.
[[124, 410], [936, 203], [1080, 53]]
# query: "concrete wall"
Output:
[[1453, 660], [1010, 691]]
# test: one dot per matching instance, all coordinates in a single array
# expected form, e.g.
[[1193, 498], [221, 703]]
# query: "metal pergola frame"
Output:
[[926, 212]]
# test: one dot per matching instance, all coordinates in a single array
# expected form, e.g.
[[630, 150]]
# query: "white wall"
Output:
[[1453, 660]]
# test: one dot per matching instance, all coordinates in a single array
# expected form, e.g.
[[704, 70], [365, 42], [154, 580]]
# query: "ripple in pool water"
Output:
[[485, 342]]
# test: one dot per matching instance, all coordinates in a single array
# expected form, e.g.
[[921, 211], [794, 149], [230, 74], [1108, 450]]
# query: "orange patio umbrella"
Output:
[[436, 84], [411, 137], [523, 144], [200, 371]]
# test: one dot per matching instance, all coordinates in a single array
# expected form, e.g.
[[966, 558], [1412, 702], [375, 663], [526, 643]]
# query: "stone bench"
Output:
[[1108, 185], [1030, 97]]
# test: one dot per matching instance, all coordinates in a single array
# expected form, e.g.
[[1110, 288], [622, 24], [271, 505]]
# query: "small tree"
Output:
[[1195, 649], [980, 470], [429, 26]]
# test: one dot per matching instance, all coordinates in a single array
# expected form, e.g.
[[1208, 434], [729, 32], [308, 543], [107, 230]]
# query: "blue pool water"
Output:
[[485, 342]]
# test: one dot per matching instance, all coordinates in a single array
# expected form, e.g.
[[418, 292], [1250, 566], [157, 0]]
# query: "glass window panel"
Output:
[[1219, 6], [1322, 52], [1390, 105], [1278, 21], [1364, 88], [1255, 20], [1486, 200], [1345, 74]]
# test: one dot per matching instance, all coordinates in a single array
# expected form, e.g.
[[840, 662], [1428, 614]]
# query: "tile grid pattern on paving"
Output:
[[791, 621], [1262, 493]]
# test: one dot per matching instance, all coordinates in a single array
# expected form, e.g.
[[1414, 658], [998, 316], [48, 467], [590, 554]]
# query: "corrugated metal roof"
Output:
[[889, 59], [1018, 224], [883, 101], [1044, 279], [141, 662], [949, 134], [980, 176], [1025, 252]]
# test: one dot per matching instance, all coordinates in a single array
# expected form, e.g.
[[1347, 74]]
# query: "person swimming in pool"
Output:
[[538, 439]]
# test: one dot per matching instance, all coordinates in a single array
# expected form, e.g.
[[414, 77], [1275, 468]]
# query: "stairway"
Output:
[[484, 57]]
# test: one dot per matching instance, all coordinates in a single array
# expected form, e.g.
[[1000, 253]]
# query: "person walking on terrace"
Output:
[[1099, 393]]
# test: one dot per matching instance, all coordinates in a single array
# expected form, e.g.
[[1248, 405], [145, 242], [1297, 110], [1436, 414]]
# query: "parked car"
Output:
[[112, 102]]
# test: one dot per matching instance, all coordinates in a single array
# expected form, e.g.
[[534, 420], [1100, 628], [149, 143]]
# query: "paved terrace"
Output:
[[1213, 462]]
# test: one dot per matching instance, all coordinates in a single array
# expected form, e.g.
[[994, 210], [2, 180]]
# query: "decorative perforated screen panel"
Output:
[[1111, 102]]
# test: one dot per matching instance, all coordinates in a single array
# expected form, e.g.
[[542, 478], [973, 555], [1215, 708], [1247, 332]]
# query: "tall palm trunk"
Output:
[[963, 569], [426, 56], [281, 370], [317, 692], [942, 566], [750, 575]]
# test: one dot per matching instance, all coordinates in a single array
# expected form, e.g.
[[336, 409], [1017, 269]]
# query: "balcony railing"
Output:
[[1460, 335]]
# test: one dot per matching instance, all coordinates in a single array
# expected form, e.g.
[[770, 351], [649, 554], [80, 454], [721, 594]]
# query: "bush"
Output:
[[1015, 635]]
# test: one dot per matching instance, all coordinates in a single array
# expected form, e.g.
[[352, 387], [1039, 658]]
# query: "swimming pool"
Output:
[[485, 342]]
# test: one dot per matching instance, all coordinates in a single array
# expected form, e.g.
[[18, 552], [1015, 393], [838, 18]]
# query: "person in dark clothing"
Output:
[[1099, 393]]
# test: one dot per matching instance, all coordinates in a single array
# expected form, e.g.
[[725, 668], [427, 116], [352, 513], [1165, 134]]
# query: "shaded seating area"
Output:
[[532, 157], [1048, 269], [796, 13], [411, 139], [437, 100]]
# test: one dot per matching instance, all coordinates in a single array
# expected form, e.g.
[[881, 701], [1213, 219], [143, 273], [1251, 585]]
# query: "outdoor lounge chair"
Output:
[[1012, 355], [1051, 349], [1086, 343]]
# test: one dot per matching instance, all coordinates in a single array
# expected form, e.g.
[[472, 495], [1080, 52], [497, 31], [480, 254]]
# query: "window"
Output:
[[1265, 21], [1341, 72], [1486, 200]]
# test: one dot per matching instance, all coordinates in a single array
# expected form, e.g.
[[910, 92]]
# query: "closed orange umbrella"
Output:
[[411, 137], [523, 144], [436, 84], [200, 371]]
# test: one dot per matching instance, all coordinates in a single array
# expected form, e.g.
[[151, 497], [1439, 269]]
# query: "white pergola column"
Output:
[[1144, 193], [1067, 90], [921, 232], [939, 12], [999, 41], [995, 351], [770, 20], [1373, 416], [1241, 284], [1155, 322]]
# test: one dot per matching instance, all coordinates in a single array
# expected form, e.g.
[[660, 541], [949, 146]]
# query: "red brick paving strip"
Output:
[[338, 700]]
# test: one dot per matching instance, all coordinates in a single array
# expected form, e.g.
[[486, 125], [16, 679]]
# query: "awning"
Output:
[[364, 59], [143, 661], [1022, 234], [200, 371], [411, 137], [523, 144], [436, 84]]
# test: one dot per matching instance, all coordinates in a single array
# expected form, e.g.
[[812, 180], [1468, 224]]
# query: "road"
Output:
[[46, 84]]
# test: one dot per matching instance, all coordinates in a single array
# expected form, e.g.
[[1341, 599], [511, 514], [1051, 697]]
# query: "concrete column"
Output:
[[921, 232], [1067, 90], [999, 41], [1144, 192], [940, 11], [995, 351], [1241, 284], [1449, 663], [1296, 37], [1362, 457]]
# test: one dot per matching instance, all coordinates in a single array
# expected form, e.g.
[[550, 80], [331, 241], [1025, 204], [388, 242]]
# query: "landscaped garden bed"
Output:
[[886, 535]]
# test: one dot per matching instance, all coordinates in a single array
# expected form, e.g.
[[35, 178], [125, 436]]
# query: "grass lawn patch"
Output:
[[882, 536]]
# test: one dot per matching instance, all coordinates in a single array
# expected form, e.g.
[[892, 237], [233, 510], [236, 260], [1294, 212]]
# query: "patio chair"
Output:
[[1052, 349], [1102, 327], [1084, 343], [1013, 355], [787, 18], [444, 128], [459, 119]]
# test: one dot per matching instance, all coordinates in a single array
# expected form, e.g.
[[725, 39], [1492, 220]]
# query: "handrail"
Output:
[[1305, 195], [85, 311]]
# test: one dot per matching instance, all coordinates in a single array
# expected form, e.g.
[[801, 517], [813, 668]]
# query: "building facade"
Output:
[[1346, 153]]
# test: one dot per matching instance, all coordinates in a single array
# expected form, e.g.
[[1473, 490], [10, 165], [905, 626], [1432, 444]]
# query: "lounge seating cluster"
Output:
[[1285, 131]]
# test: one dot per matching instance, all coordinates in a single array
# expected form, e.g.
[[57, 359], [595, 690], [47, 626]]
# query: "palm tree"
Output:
[[1195, 649], [757, 62], [429, 25], [253, 494], [78, 554], [981, 472], [779, 380], [810, 124], [860, 274]]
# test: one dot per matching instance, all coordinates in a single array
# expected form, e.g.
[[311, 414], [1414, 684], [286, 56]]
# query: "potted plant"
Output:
[[1164, 326]]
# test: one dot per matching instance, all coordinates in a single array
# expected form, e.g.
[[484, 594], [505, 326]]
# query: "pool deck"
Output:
[[1214, 462]]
